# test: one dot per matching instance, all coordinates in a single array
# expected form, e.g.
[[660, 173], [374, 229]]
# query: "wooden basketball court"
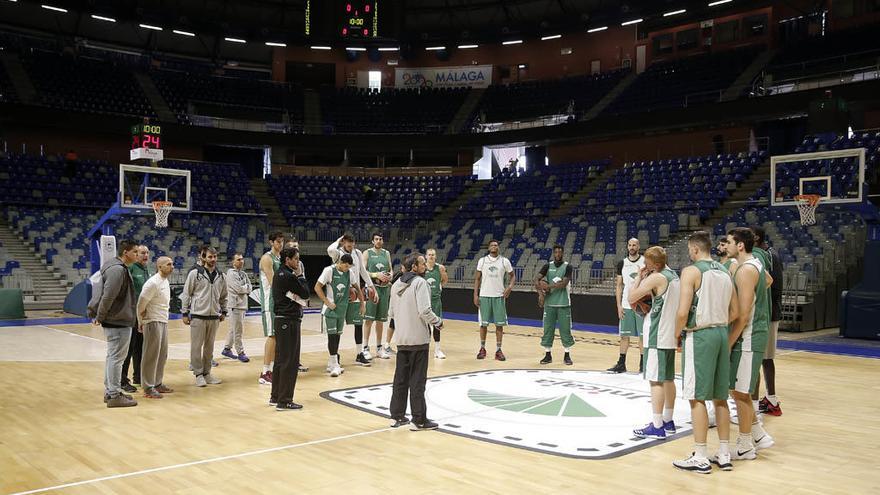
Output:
[[57, 436]]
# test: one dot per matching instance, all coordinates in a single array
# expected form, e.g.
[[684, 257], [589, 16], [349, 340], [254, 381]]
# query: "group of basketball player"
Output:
[[354, 290], [724, 317]]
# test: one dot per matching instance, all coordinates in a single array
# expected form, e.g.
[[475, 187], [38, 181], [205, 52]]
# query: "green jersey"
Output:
[[379, 262], [755, 333], [139, 276], [557, 298], [336, 288], [432, 276], [661, 319], [727, 264], [767, 261]]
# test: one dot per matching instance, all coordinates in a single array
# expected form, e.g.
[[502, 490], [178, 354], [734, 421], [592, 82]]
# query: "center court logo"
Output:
[[581, 414]]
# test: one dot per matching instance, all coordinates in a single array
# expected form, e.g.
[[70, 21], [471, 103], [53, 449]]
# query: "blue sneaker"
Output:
[[243, 357], [227, 352], [669, 427], [650, 431]]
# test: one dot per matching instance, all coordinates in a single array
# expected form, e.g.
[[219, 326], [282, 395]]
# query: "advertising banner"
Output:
[[475, 76]]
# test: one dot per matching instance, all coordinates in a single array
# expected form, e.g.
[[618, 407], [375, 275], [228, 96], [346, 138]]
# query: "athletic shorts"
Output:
[[379, 311], [705, 364], [745, 367], [332, 325], [659, 365], [770, 353], [267, 313], [631, 324], [492, 311], [437, 306], [353, 313]]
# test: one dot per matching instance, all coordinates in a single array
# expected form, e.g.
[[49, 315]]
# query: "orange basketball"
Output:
[[643, 306], [352, 294]]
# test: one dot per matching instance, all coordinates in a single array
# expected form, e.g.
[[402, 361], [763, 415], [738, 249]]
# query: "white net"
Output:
[[162, 210], [807, 205]]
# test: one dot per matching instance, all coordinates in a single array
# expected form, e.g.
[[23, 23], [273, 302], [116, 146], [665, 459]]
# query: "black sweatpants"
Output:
[[287, 349], [135, 351], [410, 377]]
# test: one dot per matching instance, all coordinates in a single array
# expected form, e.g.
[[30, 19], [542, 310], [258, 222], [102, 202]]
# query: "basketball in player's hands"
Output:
[[643, 306], [352, 294]]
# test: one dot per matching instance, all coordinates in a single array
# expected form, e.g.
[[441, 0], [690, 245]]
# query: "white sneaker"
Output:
[[200, 381], [337, 370], [389, 350], [383, 354], [439, 354], [331, 363], [764, 442], [367, 355], [212, 380], [695, 464], [743, 455], [722, 461]]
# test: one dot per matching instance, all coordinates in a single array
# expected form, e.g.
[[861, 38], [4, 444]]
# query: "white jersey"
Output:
[[492, 272], [357, 271], [629, 270], [711, 306]]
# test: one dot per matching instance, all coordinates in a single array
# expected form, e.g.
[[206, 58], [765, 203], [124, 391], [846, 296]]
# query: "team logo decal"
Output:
[[581, 414], [340, 287]]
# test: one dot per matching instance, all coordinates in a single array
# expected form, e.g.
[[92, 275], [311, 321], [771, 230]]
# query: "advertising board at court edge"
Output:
[[474, 76]]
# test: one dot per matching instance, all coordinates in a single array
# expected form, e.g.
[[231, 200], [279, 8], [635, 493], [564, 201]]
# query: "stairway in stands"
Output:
[[50, 288]]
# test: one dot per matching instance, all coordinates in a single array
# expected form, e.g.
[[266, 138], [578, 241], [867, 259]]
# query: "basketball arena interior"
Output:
[[549, 159]]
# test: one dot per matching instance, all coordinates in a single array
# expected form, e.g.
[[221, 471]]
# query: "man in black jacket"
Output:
[[289, 292]]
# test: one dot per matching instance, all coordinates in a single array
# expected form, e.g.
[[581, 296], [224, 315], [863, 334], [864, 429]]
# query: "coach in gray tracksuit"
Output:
[[238, 285], [414, 321], [203, 303]]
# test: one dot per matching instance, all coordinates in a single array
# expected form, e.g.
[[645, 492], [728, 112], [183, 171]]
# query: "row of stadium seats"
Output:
[[50, 181]]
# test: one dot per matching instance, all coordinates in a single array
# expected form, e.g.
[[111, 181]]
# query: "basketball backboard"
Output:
[[835, 176], [139, 186]]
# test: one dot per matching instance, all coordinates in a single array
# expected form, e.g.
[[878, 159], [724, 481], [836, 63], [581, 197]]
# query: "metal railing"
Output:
[[765, 87]]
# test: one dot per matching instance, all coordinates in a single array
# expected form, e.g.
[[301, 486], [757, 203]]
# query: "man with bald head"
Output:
[[628, 270], [152, 314]]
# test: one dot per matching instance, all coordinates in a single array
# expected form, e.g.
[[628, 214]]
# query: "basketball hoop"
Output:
[[162, 210], [807, 204]]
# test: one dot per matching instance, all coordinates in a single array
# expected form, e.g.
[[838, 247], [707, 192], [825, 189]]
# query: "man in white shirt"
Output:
[[490, 296], [152, 314], [630, 322], [358, 273]]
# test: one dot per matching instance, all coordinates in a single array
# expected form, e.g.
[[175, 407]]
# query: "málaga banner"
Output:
[[475, 76]]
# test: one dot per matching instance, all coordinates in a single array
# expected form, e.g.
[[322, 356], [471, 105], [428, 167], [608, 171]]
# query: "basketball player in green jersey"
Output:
[[436, 276], [333, 289], [630, 322], [377, 260], [554, 282], [705, 309], [658, 339], [270, 262], [748, 340]]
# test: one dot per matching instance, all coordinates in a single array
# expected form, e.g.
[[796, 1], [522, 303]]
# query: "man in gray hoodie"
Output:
[[114, 311], [238, 286], [203, 304], [414, 321]]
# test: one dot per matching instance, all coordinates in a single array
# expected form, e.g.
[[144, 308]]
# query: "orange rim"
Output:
[[812, 199], [159, 204]]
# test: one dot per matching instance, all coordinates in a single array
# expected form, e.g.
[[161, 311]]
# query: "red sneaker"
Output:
[[482, 353], [499, 356], [773, 410], [266, 378]]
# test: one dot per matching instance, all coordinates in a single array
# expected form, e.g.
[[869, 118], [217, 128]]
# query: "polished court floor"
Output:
[[57, 436]]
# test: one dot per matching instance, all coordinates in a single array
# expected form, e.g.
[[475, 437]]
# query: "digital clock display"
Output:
[[146, 136], [359, 19]]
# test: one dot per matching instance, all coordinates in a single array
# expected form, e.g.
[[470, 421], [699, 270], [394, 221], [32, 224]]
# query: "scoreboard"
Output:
[[328, 20], [359, 19]]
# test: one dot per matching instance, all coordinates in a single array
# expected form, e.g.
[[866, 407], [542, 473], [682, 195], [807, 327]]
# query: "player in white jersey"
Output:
[[359, 277], [490, 296], [630, 322], [705, 310], [662, 284]]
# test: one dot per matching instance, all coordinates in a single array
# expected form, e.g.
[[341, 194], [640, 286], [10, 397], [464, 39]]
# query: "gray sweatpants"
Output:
[[201, 351], [155, 353], [117, 348], [236, 327]]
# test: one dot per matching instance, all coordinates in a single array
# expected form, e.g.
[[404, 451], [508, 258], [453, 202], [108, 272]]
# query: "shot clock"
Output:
[[146, 142]]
